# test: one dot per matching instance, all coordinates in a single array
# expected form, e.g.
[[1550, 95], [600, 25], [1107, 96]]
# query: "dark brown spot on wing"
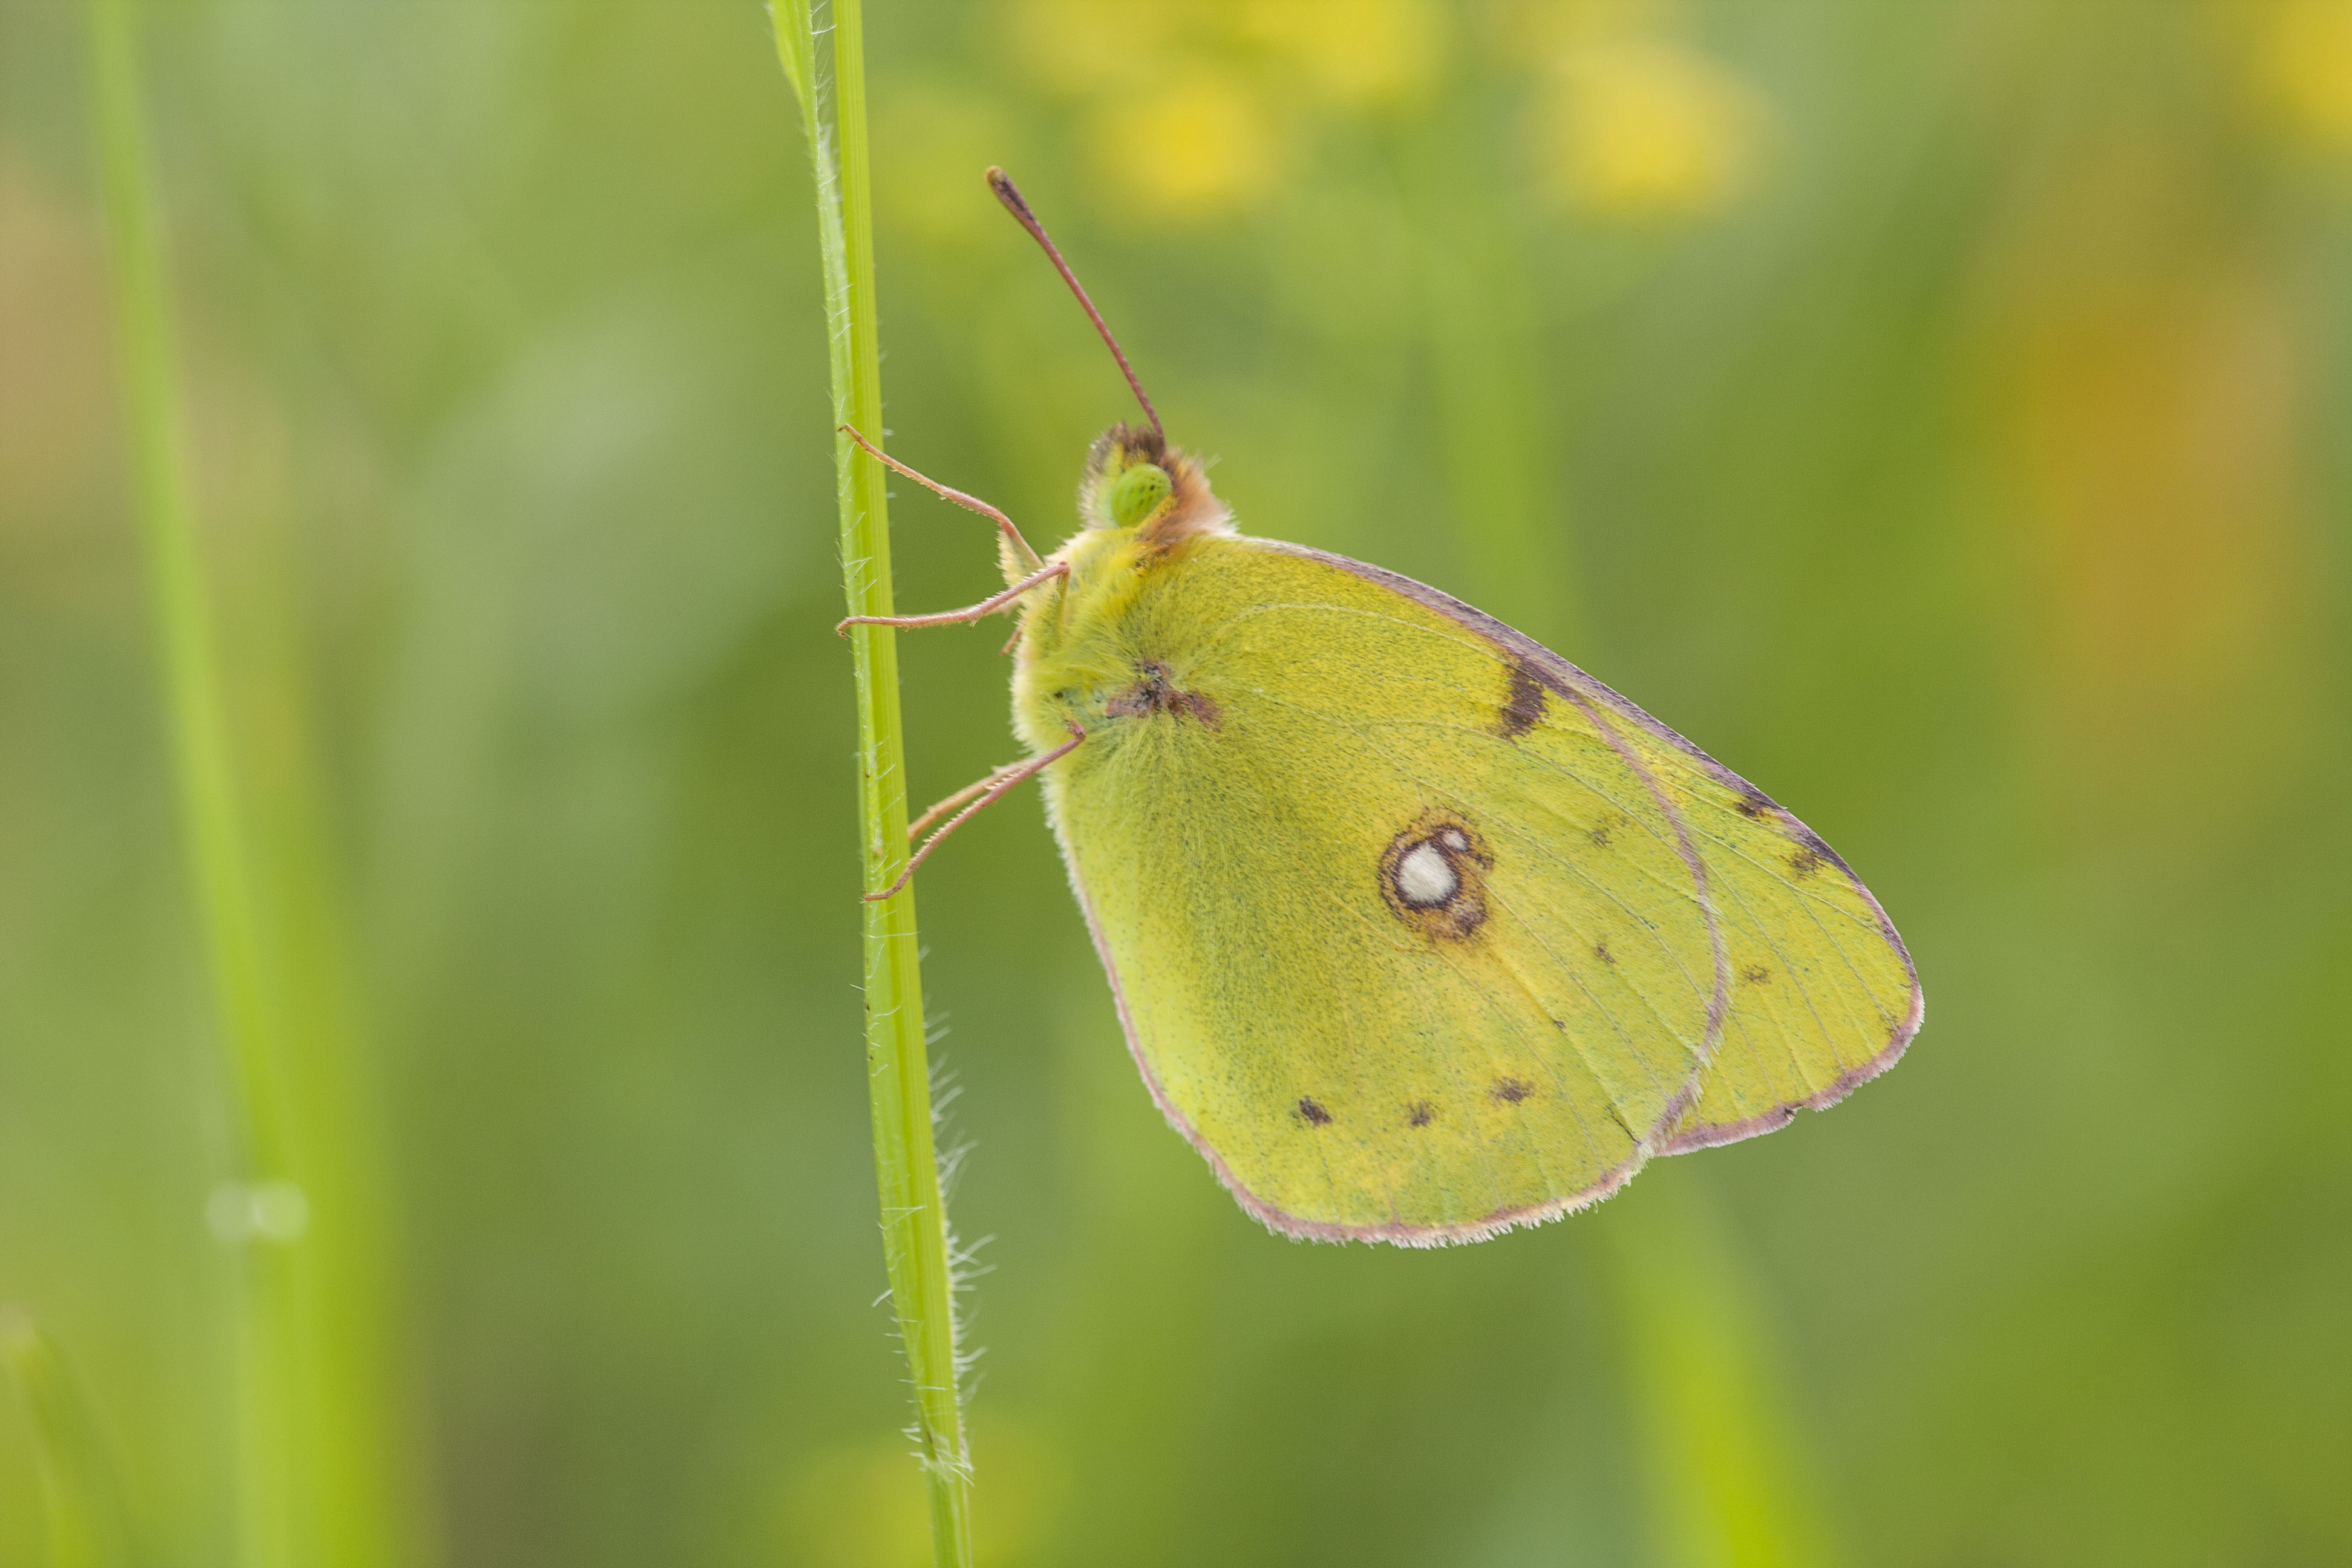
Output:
[[1805, 862], [1315, 1115], [1749, 805], [1601, 951], [1755, 974], [1523, 706], [1148, 695], [1420, 1114], [1155, 691], [1511, 1090]]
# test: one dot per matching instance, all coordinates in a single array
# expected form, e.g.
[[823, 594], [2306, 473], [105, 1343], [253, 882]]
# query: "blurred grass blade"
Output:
[[1477, 312], [796, 52], [1721, 1456], [914, 1220], [210, 825], [316, 1446], [88, 1516]]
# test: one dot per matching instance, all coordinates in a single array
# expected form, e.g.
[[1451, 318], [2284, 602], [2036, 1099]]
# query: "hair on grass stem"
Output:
[[825, 65]]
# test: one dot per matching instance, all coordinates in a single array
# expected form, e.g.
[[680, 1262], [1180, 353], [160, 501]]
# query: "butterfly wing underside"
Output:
[[1418, 932], [1823, 994]]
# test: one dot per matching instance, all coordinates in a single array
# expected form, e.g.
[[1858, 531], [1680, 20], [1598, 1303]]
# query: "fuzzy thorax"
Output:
[[1142, 503]]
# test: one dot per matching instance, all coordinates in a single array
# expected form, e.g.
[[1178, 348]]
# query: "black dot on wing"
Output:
[[1601, 951], [1755, 974], [1421, 1113], [1313, 1114], [1511, 1090]]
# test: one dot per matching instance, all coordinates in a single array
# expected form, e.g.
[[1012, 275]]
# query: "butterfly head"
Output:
[[1135, 480]]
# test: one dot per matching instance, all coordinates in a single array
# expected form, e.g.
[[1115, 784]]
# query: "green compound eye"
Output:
[[1138, 494]]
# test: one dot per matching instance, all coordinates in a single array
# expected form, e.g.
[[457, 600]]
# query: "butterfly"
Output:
[[1417, 931]]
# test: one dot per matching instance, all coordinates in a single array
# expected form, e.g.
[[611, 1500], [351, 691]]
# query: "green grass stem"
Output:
[[82, 1486], [317, 1452], [1719, 1455], [1723, 1465], [914, 1220]]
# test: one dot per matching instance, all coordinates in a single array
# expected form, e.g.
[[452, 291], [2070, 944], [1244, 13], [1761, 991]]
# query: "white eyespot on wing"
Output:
[[1424, 879]]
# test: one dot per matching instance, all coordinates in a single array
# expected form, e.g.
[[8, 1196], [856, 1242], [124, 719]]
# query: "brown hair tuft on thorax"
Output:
[[1192, 508]]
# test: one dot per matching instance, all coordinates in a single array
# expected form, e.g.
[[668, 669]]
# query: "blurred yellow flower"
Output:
[[1198, 146], [1523, 30], [1083, 48], [1645, 130], [1192, 107], [1353, 52], [2303, 68], [2150, 377], [56, 400]]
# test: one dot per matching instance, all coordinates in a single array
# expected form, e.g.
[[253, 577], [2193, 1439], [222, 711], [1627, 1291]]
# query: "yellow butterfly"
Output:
[[1417, 931]]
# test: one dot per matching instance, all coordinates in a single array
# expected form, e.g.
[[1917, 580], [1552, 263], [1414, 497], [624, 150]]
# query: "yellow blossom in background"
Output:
[[1646, 131], [1534, 30], [1084, 47], [55, 401], [2151, 388], [1194, 109], [1200, 145], [1357, 53], [2302, 68]]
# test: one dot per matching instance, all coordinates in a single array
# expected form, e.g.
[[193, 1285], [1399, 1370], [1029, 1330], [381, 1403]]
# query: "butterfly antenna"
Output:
[[1010, 194]]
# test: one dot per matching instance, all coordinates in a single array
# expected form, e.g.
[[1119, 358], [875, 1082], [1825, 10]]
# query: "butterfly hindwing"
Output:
[[1822, 994]]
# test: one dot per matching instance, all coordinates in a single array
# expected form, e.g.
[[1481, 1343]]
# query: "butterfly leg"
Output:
[[971, 504], [987, 606], [915, 828], [990, 789]]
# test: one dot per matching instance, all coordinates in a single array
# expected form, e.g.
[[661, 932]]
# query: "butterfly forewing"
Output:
[[1412, 945]]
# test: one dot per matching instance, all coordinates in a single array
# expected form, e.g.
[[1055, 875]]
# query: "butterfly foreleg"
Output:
[[987, 606], [1019, 546], [991, 789]]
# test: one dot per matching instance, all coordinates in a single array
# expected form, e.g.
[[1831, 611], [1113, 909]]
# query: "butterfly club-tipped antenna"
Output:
[[1014, 203]]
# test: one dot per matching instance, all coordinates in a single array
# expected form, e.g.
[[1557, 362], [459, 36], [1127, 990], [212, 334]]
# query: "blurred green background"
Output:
[[1938, 410]]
